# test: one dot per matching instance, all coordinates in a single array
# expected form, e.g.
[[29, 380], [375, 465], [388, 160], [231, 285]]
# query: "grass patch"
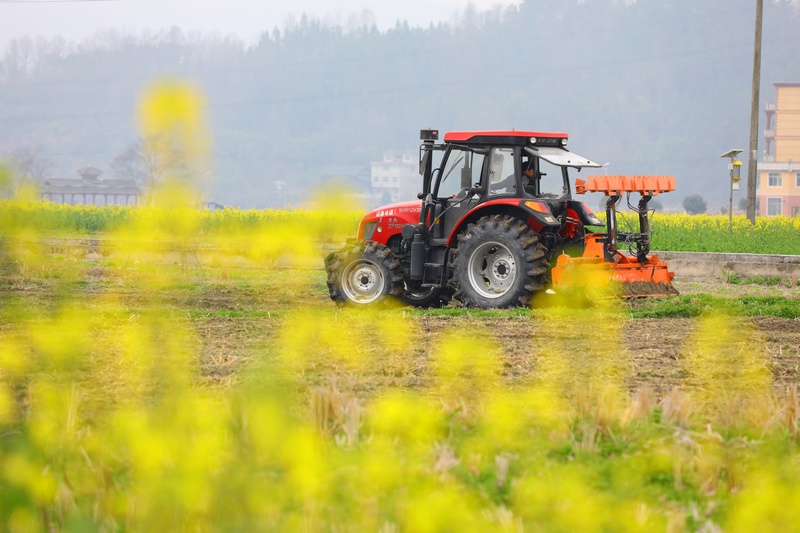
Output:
[[471, 312], [235, 314], [684, 306], [734, 278], [769, 281], [695, 305]]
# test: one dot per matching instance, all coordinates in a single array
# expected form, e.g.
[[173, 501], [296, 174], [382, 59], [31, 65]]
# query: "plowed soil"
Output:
[[647, 352], [242, 324]]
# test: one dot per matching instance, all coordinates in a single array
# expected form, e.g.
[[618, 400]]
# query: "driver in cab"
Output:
[[508, 184]]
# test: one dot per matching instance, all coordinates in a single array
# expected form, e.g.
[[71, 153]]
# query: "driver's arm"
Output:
[[505, 183]]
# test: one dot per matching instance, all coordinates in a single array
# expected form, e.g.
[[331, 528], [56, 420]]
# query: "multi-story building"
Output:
[[779, 171], [395, 178]]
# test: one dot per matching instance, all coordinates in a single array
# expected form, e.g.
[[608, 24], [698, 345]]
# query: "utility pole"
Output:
[[752, 161]]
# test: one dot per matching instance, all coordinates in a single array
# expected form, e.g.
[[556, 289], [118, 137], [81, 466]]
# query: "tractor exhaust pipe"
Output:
[[428, 138]]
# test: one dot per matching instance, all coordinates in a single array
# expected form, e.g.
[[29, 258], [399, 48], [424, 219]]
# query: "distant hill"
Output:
[[650, 88]]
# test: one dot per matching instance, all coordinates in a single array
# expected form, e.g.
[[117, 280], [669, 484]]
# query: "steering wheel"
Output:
[[469, 191]]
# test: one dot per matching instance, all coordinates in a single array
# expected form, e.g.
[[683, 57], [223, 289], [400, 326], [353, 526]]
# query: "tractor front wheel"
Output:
[[499, 262], [362, 274]]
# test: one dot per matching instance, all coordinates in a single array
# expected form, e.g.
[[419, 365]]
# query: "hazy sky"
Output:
[[76, 19]]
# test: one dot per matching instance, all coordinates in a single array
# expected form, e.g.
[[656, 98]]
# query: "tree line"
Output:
[[650, 88]]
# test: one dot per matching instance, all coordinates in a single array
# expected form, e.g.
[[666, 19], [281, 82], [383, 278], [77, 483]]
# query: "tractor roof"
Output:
[[512, 137]]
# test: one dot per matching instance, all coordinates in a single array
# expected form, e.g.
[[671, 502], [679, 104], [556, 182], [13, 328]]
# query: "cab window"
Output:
[[461, 170], [553, 183], [502, 177]]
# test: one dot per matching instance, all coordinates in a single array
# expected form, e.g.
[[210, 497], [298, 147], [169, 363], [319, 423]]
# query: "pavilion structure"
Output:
[[91, 189]]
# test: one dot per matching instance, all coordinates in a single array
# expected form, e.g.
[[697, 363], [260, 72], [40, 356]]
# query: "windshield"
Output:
[[553, 180], [462, 170]]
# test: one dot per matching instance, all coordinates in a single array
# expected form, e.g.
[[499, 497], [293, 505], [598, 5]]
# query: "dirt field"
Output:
[[654, 347], [241, 320], [650, 349]]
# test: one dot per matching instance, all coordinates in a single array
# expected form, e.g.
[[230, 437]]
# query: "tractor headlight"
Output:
[[533, 140], [367, 230]]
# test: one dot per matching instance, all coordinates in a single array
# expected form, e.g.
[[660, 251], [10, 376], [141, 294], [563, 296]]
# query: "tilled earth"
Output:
[[242, 325], [651, 352]]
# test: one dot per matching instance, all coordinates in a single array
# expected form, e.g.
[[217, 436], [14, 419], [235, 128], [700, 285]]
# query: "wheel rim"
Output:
[[363, 281], [492, 269]]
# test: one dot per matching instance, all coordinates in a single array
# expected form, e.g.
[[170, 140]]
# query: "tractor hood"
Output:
[[402, 209], [561, 157], [385, 222]]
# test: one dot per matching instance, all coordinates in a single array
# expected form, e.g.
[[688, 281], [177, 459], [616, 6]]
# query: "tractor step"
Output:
[[432, 271]]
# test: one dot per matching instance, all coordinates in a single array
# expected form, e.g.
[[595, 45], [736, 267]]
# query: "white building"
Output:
[[396, 178]]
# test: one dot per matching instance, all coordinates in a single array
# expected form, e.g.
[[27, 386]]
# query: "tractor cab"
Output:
[[501, 170]]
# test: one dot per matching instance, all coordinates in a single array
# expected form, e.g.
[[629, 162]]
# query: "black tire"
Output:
[[426, 298], [499, 262], [363, 274]]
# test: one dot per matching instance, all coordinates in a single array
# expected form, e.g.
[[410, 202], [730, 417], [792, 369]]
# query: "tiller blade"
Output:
[[603, 270], [625, 278]]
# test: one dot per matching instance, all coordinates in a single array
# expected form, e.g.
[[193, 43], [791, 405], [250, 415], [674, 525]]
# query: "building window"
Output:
[[775, 179], [797, 179], [796, 211], [774, 207]]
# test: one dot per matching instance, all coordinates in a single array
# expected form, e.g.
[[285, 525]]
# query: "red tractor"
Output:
[[494, 225]]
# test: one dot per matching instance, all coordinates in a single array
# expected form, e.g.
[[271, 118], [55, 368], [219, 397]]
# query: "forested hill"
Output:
[[650, 87]]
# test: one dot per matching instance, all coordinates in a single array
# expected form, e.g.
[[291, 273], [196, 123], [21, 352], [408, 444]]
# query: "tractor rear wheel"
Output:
[[364, 273], [499, 262]]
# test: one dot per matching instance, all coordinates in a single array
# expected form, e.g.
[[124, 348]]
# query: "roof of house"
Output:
[[89, 172], [90, 186]]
